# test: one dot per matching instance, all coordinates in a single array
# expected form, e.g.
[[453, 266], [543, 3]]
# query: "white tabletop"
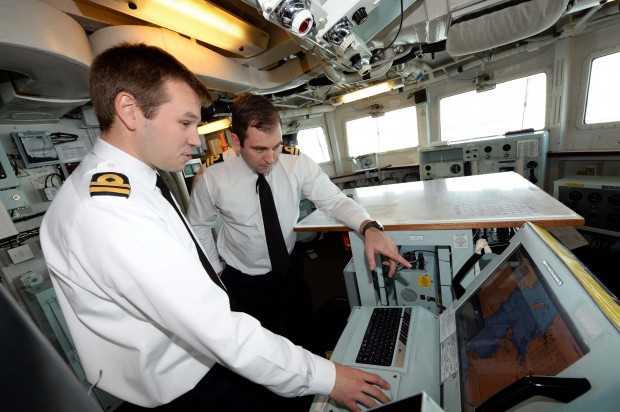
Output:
[[495, 200]]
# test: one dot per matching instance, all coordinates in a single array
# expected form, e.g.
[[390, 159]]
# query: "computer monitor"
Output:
[[534, 330]]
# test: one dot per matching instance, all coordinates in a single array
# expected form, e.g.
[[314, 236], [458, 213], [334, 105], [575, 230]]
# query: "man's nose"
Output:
[[194, 140], [270, 156]]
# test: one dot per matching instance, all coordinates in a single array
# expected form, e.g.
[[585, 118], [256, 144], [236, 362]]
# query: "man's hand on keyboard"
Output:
[[355, 386]]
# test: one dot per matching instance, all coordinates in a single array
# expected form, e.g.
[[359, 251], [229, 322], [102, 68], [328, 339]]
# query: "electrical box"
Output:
[[36, 148], [14, 198], [11, 196], [524, 153], [418, 286], [7, 175], [595, 198]]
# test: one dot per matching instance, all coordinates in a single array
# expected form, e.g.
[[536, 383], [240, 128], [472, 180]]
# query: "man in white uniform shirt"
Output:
[[227, 184], [149, 324]]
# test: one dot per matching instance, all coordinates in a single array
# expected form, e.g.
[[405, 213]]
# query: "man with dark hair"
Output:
[[275, 293], [150, 322]]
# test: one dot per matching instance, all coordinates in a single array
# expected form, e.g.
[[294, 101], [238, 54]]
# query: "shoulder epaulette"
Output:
[[109, 184], [211, 160], [290, 150]]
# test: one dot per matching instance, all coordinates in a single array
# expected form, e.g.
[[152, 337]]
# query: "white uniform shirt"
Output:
[[141, 309], [230, 187]]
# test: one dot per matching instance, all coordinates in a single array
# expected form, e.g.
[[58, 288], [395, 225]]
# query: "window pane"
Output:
[[395, 130], [514, 105], [398, 129], [313, 143], [603, 90], [362, 136]]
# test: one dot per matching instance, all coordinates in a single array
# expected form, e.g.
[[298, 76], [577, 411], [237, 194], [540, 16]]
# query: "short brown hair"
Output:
[[141, 70], [253, 110]]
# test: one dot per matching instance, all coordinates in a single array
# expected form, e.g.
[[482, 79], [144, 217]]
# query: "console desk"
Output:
[[442, 213]]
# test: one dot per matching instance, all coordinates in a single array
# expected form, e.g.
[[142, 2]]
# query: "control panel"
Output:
[[595, 198], [524, 153], [415, 286], [418, 286], [11, 195]]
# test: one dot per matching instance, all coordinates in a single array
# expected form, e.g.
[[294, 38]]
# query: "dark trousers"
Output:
[[282, 303], [223, 390]]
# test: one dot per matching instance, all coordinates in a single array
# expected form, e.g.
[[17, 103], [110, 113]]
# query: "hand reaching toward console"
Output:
[[354, 386], [377, 242]]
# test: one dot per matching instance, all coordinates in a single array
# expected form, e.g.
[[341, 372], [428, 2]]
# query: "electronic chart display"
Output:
[[511, 327], [534, 331]]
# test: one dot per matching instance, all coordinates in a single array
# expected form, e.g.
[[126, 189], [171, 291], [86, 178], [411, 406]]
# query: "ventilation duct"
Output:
[[481, 28], [21, 107], [44, 64], [217, 71]]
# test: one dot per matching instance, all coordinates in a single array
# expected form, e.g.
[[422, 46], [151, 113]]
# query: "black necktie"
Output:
[[278, 253], [203, 258]]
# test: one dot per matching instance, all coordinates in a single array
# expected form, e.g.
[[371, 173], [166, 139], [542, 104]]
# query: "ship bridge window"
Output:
[[313, 143], [603, 90], [394, 130], [494, 109]]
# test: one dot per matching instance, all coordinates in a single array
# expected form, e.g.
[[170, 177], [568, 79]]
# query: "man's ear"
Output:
[[235, 141], [127, 110]]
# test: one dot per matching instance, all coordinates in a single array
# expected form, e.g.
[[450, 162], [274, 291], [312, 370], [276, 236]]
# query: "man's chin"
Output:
[[172, 168]]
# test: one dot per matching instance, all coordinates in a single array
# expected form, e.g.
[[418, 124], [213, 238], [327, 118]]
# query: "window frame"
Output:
[[580, 118], [327, 142]]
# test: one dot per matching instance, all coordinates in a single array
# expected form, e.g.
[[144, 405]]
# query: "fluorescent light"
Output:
[[370, 91], [214, 126], [197, 19]]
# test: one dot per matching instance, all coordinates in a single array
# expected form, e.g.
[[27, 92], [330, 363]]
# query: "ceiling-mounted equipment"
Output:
[[218, 109], [332, 25], [295, 16], [198, 19]]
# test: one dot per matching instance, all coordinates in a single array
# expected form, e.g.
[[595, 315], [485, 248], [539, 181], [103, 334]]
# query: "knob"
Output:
[[360, 16]]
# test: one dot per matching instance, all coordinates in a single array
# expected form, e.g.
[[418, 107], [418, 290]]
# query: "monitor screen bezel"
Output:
[[507, 274]]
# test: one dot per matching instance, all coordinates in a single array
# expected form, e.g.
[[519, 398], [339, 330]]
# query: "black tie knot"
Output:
[[261, 181]]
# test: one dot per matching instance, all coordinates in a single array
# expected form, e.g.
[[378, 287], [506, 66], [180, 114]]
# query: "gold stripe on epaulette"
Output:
[[211, 160], [290, 150], [109, 184]]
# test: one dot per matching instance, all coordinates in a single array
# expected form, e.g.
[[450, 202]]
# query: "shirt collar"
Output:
[[121, 161], [238, 158]]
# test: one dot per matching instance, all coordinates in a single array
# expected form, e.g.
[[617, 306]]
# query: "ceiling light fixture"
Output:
[[370, 91], [197, 19], [214, 126]]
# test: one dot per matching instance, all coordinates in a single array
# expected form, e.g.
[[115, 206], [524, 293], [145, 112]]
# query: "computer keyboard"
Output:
[[381, 335]]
